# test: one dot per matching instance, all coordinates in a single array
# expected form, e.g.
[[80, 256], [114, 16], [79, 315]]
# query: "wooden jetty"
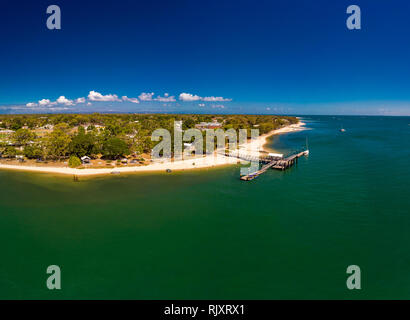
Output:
[[247, 157], [279, 164]]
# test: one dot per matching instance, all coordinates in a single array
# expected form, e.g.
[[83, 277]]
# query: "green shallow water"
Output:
[[206, 234]]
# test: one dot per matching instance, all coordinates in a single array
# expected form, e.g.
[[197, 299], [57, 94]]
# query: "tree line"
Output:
[[109, 136]]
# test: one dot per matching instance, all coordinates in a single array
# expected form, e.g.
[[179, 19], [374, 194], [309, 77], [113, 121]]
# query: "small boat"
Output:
[[342, 129]]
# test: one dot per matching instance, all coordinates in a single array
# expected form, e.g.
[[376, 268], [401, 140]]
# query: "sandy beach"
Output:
[[261, 142], [187, 164]]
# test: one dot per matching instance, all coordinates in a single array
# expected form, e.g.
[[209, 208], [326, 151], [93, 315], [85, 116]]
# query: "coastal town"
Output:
[[97, 143]]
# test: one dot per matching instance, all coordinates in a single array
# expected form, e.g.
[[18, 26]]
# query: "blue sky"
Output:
[[292, 57]]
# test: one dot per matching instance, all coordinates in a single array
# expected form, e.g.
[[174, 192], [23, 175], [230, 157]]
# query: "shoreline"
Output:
[[186, 164], [263, 139]]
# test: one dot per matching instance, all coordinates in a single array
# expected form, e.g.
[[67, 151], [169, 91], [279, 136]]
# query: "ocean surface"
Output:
[[207, 235]]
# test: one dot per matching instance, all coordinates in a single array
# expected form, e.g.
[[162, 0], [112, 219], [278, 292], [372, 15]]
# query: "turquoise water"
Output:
[[206, 234]]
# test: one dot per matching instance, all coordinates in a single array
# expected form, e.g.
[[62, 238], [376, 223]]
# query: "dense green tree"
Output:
[[58, 142], [33, 151], [82, 144], [74, 162], [114, 148], [23, 136], [10, 152], [188, 123], [16, 123]]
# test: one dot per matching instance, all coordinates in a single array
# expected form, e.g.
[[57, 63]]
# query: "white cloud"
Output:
[[218, 106], [96, 96], [89, 103], [133, 100], [165, 98], [65, 101], [61, 100], [214, 99], [46, 102], [189, 97], [146, 96]]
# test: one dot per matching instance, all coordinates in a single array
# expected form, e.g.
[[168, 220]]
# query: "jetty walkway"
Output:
[[275, 163]]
